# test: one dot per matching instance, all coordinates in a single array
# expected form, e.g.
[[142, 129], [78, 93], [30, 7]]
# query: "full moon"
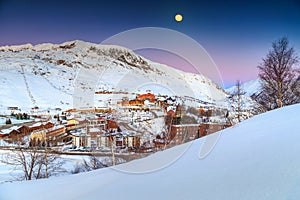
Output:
[[178, 17]]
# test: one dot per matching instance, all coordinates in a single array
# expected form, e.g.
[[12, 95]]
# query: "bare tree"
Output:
[[29, 162], [236, 100], [279, 76], [93, 163], [34, 163]]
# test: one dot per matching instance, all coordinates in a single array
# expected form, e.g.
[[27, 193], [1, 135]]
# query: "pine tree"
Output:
[[8, 121]]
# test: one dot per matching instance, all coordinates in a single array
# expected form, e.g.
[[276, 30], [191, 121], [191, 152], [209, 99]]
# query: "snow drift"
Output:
[[256, 159]]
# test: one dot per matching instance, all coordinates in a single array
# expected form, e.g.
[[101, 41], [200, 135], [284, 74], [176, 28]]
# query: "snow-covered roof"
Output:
[[36, 124], [8, 130], [5, 131], [94, 129]]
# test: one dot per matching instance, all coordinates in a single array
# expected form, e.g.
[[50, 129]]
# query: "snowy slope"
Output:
[[250, 87], [257, 159], [47, 75]]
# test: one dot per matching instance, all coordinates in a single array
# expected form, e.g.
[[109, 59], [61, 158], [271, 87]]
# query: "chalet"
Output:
[[48, 125], [40, 126], [10, 131], [58, 109], [70, 127], [24, 130], [74, 123], [5, 132], [13, 108], [14, 133], [35, 108], [77, 121], [52, 136], [36, 126], [150, 97], [136, 102], [81, 110], [103, 110]]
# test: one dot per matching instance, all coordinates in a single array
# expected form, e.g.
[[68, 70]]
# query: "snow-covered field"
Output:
[[256, 159]]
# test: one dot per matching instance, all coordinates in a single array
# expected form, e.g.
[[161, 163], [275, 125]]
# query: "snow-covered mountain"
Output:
[[48, 75], [250, 87], [256, 159]]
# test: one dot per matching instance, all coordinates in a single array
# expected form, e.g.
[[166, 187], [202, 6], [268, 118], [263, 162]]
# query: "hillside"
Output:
[[249, 87], [48, 75], [256, 159]]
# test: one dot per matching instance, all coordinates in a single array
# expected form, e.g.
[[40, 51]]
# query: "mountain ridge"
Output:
[[58, 65]]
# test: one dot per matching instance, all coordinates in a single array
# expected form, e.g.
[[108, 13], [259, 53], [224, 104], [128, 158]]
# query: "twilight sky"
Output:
[[235, 34]]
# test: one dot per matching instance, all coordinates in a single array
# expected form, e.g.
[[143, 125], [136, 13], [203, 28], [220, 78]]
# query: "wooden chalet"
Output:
[[24, 130], [52, 136]]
